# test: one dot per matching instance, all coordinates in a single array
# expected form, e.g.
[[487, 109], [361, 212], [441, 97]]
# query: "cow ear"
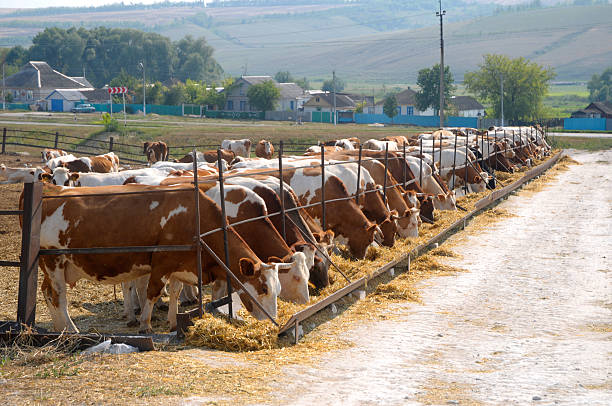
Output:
[[372, 227], [45, 177], [74, 176], [247, 267]]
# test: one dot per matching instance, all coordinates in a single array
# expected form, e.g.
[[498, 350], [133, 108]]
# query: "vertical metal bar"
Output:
[[111, 141], [4, 140], [421, 165], [495, 152], [455, 159], [30, 245], [323, 224], [404, 164], [505, 145], [224, 226], [465, 182], [385, 178], [196, 190], [358, 175], [282, 189], [433, 156], [440, 161], [296, 331], [56, 140]]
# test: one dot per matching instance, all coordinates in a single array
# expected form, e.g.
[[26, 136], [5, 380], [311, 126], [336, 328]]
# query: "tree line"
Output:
[[102, 54]]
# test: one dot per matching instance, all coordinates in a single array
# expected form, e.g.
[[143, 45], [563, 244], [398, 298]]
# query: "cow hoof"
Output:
[[132, 323]]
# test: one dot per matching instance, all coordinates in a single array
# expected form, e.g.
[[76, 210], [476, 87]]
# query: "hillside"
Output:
[[378, 41]]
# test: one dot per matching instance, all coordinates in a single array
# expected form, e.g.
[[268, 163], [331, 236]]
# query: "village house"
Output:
[[467, 106], [320, 106], [595, 110], [291, 95], [406, 105]]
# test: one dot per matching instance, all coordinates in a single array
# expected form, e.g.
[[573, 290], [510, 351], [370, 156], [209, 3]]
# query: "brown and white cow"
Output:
[[159, 217], [155, 151], [101, 163], [50, 153], [209, 156], [20, 175], [239, 147], [264, 149]]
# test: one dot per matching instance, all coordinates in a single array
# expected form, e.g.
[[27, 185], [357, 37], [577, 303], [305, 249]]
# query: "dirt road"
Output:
[[531, 323]]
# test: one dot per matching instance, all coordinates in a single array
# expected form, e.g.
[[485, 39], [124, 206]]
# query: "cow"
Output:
[[264, 149], [239, 147], [316, 149], [209, 156], [344, 143], [58, 161], [20, 175], [101, 163], [378, 145], [155, 151], [63, 177], [50, 153], [398, 139], [78, 218]]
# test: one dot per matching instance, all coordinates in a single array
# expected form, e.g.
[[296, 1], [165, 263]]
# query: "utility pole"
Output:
[[144, 87], [334, 89], [441, 14], [501, 75]]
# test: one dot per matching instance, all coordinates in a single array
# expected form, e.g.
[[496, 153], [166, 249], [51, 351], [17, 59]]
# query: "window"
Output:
[[317, 100], [291, 105], [242, 105], [410, 110], [230, 105], [399, 110], [318, 108], [242, 89], [29, 95]]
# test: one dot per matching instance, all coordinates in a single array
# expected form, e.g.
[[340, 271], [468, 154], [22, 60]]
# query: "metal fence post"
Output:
[[224, 226], [56, 140], [385, 178], [440, 161], [197, 242], [421, 165], [110, 144], [30, 246], [358, 175], [4, 140], [282, 189], [495, 152], [323, 186], [465, 182], [455, 159], [404, 165]]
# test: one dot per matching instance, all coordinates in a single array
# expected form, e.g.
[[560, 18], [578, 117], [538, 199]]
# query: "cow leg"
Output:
[[174, 290], [154, 291], [128, 303], [189, 295], [54, 291], [219, 290]]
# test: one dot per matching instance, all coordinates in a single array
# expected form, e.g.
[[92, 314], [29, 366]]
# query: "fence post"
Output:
[[30, 246], [4, 140], [224, 226], [404, 164], [421, 165], [197, 242], [358, 175], [455, 160], [110, 144], [323, 186], [465, 181], [385, 179], [495, 153], [282, 189], [56, 140], [440, 161]]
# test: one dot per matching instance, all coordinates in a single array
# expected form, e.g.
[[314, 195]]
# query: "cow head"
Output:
[[263, 283], [319, 273], [308, 250], [444, 201], [409, 223], [360, 242], [294, 280], [146, 147], [62, 177]]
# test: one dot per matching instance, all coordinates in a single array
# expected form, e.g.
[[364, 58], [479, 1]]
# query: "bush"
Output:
[[110, 124]]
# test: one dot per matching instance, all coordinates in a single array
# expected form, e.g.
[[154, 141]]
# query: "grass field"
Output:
[[588, 144]]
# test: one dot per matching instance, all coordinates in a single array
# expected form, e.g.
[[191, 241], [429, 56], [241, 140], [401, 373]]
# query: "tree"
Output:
[[360, 106], [429, 82], [600, 86], [390, 106], [525, 85], [303, 83], [263, 96], [283, 77], [328, 85]]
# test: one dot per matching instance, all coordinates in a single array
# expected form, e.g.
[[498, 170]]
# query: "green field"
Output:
[[362, 43]]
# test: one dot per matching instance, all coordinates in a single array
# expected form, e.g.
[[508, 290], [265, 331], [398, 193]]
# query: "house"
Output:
[[321, 106], [36, 80], [237, 100], [595, 110], [406, 105], [467, 106], [66, 99]]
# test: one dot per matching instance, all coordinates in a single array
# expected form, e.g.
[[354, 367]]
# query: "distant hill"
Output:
[[382, 41]]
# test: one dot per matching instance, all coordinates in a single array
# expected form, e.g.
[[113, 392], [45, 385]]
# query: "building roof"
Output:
[[342, 101], [82, 80], [404, 98], [604, 106], [96, 95], [466, 103], [68, 94], [91, 95], [39, 75], [255, 80], [290, 91]]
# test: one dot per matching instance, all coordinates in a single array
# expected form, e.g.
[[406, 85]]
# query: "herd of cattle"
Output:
[[92, 202]]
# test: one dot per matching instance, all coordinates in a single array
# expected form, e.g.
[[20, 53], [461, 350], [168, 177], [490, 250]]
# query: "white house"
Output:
[[290, 94], [467, 106], [406, 105]]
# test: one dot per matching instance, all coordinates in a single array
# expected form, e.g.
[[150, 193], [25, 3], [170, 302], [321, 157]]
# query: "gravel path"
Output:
[[531, 323]]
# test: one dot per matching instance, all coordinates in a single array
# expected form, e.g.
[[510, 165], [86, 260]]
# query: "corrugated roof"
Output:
[[342, 101], [82, 80], [290, 91], [466, 103], [39, 75], [255, 80], [68, 94], [404, 98]]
